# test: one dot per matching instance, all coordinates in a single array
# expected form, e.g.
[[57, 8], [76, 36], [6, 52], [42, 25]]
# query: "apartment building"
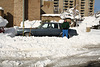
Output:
[[13, 10], [86, 7]]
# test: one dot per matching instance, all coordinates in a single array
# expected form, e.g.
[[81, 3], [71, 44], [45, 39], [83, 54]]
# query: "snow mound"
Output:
[[3, 22], [11, 31], [87, 22]]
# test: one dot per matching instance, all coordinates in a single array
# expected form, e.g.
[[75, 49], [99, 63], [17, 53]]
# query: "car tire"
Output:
[[28, 34]]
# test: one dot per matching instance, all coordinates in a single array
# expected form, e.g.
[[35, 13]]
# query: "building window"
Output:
[[82, 7]]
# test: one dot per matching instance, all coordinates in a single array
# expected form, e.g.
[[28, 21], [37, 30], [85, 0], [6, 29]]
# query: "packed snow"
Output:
[[21, 51]]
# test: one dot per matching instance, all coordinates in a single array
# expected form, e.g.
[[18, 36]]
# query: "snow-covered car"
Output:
[[96, 27], [45, 29]]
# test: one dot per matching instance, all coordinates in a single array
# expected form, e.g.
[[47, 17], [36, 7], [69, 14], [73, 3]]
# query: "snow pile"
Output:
[[3, 22], [70, 13], [46, 46], [30, 24], [87, 22], [12, 31], [51, 49]]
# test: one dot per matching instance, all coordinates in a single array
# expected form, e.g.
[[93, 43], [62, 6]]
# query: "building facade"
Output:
[[13, 10], [86, 7]]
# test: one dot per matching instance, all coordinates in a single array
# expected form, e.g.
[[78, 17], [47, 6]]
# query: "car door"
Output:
[[55, 30], [44, 30]]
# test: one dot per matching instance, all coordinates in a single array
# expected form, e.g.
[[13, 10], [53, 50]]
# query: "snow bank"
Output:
[[30, 24], [3, 22], [20, 47], [87, 22], [12, 31]]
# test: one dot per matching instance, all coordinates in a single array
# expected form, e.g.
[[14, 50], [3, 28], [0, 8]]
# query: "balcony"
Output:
[[90, 11], [71, 4], [91, 0], [55, 2], [65, 9], [71, 7], [91, 8], [82, 4], [71, 1], [55, 5], [66, 3], [82, 10], [82, 7], [65, 6], [91, 3], [82, 15]]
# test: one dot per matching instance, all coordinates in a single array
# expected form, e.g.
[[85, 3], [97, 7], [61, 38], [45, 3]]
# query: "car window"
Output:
[[45, 26], [56, 26], [52, 25]]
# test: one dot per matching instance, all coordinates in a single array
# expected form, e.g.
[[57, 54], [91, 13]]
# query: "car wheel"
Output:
[[27, 34]]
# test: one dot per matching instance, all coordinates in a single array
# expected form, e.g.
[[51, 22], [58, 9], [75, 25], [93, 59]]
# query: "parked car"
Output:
[[45, 29], [96, 27], [2, 30]]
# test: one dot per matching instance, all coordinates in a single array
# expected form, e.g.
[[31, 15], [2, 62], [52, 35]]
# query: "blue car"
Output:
[[45, 29]]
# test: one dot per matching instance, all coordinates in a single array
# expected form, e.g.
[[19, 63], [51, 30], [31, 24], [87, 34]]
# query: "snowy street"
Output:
[[33, 51]]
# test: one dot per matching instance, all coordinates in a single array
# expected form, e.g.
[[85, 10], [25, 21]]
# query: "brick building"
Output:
[[13, 10], [86, 7]]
